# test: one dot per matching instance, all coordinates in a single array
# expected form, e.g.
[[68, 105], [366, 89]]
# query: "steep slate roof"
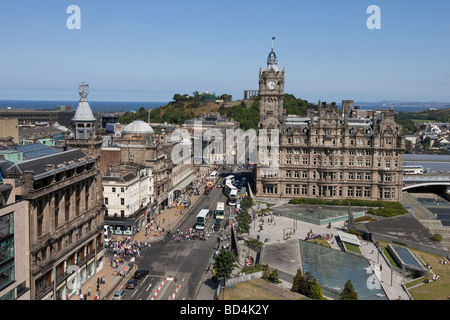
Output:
[[36, 150], [37, 165], [126, 178], [84, 112]]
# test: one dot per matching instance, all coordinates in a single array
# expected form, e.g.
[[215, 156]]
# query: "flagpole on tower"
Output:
[[273, 38]]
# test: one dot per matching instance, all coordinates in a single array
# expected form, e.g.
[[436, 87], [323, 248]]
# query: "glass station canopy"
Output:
[[333, 268]]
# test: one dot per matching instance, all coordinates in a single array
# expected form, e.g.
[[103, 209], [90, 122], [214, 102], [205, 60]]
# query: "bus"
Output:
[[412, 170], [220, 211], [228, 188], [213, 175], [211, 181], [232, 198], [229, 180], [202, 219]]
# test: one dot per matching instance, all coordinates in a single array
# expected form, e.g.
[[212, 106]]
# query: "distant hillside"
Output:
[[245, 112], [412, 121]]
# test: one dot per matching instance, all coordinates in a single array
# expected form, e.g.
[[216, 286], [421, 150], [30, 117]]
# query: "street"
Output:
[[178, 268]]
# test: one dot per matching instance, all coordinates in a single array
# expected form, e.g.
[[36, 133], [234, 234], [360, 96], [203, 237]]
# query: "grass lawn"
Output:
[[434, 290], [352, 248], [320, 242], [259, 289]]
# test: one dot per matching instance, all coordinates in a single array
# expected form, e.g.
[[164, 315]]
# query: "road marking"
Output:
[[149, 287]]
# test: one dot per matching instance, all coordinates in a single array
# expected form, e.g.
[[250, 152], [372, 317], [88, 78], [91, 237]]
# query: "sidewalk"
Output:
[[167, 220]]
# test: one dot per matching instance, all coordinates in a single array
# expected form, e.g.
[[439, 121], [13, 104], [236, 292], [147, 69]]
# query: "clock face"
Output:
[[271, 85]]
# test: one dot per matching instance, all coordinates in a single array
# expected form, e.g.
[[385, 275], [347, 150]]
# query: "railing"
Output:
[[426, 178]]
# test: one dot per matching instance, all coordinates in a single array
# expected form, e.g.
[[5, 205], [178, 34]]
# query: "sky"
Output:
[[146, 50]]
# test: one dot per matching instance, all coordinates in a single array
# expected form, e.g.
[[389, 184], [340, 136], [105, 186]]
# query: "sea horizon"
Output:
[[96, 106], [124, 106]]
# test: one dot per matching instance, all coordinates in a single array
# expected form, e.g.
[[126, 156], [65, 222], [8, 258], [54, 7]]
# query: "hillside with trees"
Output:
[[185, 107], [412, 122]]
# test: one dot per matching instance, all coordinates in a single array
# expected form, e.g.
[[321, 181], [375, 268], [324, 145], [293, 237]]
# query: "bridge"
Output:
[[416, 181]]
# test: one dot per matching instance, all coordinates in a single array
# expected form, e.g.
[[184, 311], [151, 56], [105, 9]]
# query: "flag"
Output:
[[273, 38]]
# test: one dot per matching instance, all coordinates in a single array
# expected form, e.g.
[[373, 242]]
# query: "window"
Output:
[[288, 189], [288, 174], [304, 174], [122, 213], [113, 189], [387, 165], [122, 189], [106, 200], [296, 174], [304, 190], [350, 192], [122, 201]]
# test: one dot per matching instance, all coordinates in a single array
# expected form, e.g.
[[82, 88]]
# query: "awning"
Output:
[[185, 183]]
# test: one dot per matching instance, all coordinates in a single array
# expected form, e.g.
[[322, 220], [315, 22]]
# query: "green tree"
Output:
[[348, 293], [224, 264], [301, 283], [247, 203], [315, 291], [274, 276], [266, 272], [298, 279], [244, 221]]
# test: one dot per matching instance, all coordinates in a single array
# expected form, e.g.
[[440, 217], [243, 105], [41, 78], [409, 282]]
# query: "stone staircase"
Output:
[[435, 226], [418, 211]]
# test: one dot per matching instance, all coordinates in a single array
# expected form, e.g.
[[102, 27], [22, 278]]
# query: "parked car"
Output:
[[119, 295], [131, 284], [140, 274]]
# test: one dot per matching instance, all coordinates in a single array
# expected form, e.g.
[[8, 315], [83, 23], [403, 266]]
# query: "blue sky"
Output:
[[149, 50]]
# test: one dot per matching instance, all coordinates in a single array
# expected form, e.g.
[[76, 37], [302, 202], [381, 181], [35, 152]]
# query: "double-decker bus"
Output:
[[202, 219], [220, 211], [229, 180], [411, 170]]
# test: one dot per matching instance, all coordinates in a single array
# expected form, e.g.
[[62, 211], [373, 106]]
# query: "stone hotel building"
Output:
[[328, 153]]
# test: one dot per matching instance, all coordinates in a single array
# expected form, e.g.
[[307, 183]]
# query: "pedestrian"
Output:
[[89, 291]]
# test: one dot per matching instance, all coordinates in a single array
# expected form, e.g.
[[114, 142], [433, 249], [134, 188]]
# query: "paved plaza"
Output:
[[288, 259]]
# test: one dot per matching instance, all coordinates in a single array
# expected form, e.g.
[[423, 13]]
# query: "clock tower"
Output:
[[271, 94]]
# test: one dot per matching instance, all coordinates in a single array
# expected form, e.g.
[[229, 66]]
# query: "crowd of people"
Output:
[[191, 234], [125, 249], [310, 235]]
